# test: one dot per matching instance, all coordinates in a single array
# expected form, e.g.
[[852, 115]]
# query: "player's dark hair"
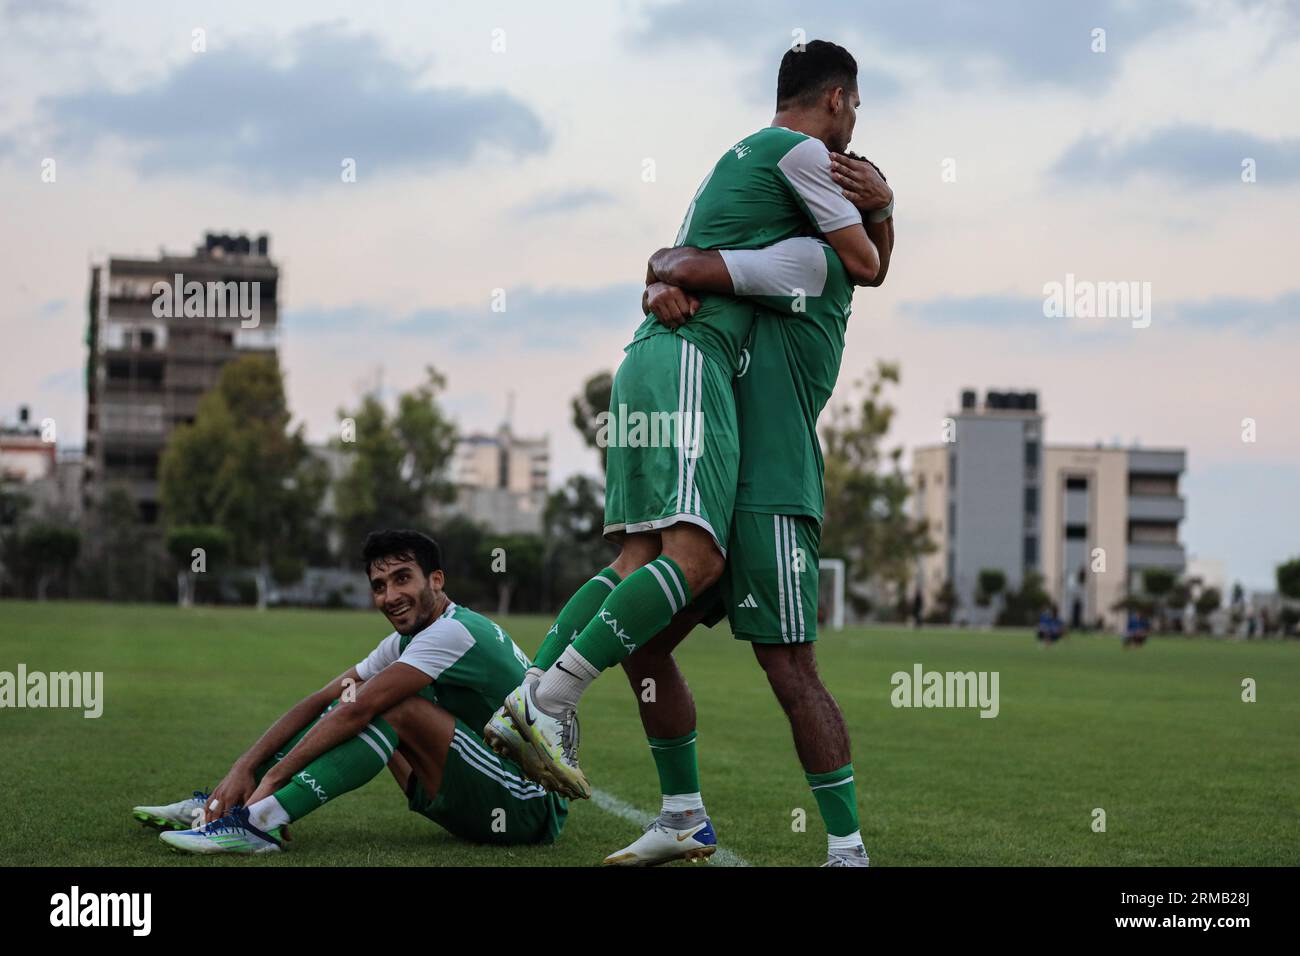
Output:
[[404, 545], [808, 73]]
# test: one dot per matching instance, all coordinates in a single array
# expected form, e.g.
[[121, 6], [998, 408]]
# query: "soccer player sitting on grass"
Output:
[[414, 705], [670, 504]]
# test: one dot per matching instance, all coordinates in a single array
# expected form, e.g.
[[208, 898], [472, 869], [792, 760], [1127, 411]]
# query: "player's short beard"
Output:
[[425, 606]]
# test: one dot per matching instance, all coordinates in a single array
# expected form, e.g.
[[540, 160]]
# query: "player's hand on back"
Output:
[[671, 306], [233, 791], [861, 181]]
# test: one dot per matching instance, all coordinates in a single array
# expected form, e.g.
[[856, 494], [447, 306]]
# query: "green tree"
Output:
[[13, 506], [181, 542], [575, 545], [1207, 603], [866, 519], [47, 553], [122, 560], [398, 462], [588, 406], [991, 581], [1021, 608], [1158, 584], [240, 468], [945, 603], [1288, 579], [515, 562], [462, 541]]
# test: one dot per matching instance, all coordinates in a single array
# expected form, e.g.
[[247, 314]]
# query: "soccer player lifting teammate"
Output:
[[672, 508]]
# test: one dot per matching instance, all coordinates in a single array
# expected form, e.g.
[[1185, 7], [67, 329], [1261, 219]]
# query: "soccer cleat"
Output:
[[662, 844], [857, 856], [503, 737], [230, 834], [174, 816], [552, 743]]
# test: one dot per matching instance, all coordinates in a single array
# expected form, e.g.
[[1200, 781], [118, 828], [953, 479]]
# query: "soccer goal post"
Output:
[[830, 593]]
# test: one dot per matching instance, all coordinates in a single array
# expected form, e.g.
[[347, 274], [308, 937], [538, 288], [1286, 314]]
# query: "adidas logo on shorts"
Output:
[[748, 602]]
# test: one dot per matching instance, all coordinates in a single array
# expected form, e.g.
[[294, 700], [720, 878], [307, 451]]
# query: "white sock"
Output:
[[267, 814], [683, 803], [562, 685], [849, 842]]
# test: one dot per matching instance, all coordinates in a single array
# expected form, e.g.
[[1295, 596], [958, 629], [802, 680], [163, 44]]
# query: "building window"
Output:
[[1076, 531], [1076, 484], [1031, 501], [1031, 551], [1031, 454]]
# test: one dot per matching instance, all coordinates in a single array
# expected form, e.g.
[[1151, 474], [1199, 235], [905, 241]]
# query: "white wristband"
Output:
[[880, 215]]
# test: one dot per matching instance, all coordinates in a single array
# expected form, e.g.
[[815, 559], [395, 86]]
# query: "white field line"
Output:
[[625, 811]]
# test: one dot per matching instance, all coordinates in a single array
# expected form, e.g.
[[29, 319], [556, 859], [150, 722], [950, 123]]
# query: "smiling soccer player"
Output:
[[413, 704]]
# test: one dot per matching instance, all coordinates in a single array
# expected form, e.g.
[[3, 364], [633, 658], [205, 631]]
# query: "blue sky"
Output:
[[504, 147]]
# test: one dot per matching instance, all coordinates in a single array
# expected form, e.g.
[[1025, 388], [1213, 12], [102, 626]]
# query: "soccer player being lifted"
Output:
[[414, 705], [672, 508]]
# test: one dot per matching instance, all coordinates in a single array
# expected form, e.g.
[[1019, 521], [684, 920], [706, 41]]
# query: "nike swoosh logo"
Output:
[[686, 836], [565, 669], [528, 716]]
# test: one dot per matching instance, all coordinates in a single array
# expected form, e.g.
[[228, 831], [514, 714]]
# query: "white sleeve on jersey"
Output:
[[808, 167], [380, 657], [438, 646], [784, 268]]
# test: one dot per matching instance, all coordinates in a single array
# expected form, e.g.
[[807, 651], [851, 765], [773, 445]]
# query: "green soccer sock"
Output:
[[679, 772], [635, 611], [335, 772], [574, 616], [837, 799]]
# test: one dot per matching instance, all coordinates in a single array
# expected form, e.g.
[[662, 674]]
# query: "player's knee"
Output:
[[403, 712], [701, 566], [637, 551]]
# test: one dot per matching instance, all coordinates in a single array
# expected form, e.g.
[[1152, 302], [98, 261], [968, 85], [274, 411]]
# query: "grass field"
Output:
[[1159, 738]]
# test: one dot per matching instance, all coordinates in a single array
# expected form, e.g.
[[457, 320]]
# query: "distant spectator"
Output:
[[1135, 633], [1050, 627]]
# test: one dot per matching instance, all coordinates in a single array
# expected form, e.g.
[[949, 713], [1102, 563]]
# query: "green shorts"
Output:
[[485, 798], [673, 446], [769, 589]]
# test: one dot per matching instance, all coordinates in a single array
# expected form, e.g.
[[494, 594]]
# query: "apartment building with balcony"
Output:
[[151, 359]]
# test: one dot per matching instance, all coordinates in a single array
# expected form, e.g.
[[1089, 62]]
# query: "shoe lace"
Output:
[[235, 819], [202, 796]]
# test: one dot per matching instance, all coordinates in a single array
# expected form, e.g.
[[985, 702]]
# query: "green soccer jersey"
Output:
[[805, 296], [471, 662], [774, 184]]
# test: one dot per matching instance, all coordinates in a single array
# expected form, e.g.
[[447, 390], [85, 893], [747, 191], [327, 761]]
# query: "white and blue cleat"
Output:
[[662, 843], [230, 834], [174, 816]]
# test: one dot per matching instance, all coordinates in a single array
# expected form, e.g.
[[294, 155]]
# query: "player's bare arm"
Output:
[[386, 689], [671, 271], [239, 783], [859, 254]]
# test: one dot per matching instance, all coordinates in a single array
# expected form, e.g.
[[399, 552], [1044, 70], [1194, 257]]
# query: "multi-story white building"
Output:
[[1088, 519], [501, 480]]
